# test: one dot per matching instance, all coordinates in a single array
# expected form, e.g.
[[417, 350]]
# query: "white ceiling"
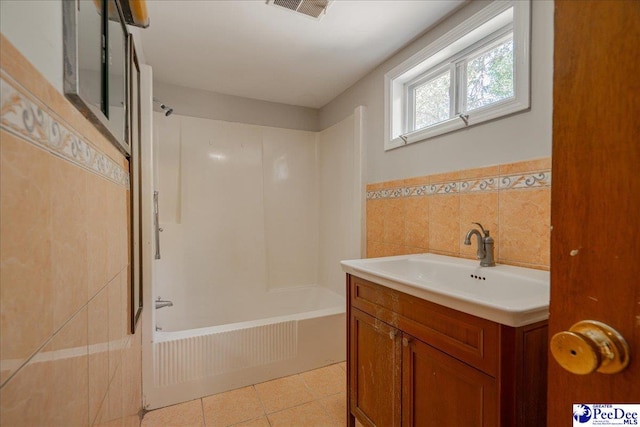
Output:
[[251, 49]]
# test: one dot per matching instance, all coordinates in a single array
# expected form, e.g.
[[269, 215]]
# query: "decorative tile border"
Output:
[[541, 179], [481, 185], [420, 190], [394, 193], [378, 194], [23, 116], [443, 188], [390, 193]]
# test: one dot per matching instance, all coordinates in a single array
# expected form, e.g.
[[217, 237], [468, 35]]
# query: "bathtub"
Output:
[[292, 331]]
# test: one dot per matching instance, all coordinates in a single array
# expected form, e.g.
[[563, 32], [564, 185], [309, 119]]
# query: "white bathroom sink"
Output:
[[512, 296]]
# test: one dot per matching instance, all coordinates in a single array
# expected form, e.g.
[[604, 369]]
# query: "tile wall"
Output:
[[66, 355], [433, 213]]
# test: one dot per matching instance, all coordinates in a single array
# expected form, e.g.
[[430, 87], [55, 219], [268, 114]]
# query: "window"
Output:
[[431, 101], [478, 71], [489, 76]]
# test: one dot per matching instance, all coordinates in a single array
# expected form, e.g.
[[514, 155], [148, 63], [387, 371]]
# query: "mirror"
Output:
[[116, 72], [90, 53], [95, 74]]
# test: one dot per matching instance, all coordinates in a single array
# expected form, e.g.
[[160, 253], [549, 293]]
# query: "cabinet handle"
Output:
[[156, 220], [406, 342]]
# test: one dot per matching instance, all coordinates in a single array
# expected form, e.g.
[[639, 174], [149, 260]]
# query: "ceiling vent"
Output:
[[313, 8]]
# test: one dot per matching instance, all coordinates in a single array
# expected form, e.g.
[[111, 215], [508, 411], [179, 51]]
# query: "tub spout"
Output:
[[160, 303]]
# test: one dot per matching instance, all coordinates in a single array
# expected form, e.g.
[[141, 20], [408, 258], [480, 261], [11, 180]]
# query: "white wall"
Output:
[[519, 137], [35, 28], [217, 106]]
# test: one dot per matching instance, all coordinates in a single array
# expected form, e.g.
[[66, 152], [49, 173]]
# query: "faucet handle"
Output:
[[485, 232]]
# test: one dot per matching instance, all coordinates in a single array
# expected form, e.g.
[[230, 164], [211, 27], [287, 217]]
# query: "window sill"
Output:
[[476, 117]]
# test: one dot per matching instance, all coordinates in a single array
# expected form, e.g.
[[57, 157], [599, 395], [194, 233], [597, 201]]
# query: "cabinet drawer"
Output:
[[468, 338]]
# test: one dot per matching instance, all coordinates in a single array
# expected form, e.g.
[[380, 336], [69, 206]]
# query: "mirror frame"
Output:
[[71, 80], [135, 182]]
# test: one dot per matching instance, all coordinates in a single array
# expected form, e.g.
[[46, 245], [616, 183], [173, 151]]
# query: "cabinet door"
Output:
[[440, 391], [375, 367]]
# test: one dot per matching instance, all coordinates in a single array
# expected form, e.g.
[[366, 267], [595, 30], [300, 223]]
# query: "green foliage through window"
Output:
[[490, 76], [432, 101], [489, 79]]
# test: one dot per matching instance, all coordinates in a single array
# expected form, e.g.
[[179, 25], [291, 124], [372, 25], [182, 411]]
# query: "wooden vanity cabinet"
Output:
[[415, 363], [376, 385]]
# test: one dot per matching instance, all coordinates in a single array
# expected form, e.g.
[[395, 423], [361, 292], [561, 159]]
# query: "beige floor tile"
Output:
[[308, 415], [182, 415], [232, 407], [283, 393], [258, 422], [343, 365], [325, 381], [336, 407]]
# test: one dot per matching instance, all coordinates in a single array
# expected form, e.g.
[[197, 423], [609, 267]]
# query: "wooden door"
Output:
[[374, 374], [595, 243], [440, 391]]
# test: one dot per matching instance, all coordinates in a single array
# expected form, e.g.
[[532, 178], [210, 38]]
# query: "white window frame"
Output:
[[475, 35]]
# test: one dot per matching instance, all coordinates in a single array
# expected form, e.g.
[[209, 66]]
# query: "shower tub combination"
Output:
[[297, 330], [254, 223]]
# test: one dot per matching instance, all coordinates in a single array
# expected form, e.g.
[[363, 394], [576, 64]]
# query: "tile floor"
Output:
[[311, 399]]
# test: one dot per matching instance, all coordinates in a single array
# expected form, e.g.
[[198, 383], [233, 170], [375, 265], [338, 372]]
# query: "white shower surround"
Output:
[[255, 222]]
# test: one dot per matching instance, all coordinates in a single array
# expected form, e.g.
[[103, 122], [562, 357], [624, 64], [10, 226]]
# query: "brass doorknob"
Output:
[[590, 346]]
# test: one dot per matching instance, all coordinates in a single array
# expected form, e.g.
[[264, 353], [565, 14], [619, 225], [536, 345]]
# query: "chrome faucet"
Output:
[[485, 245], [160, 303]]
